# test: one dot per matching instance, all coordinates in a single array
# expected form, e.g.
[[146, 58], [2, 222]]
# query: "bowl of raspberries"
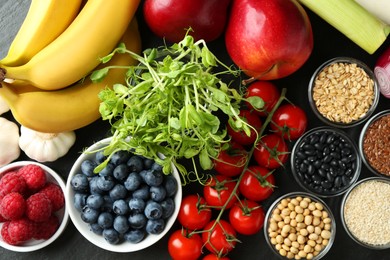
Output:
[[32, 206], [125, 206]]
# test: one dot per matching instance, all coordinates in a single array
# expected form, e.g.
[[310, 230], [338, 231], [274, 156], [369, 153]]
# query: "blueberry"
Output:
[[93, 188], [108, 170], [95, 228], [121, 172], [80, 182], [156, 167], [89, 215], [87, 167], [120, 224], [170, 184], [153, 177], [95, 201], [136, 205], [111, 236], [137, 220], [120, 157], [118, 192], [142, 174], [134, 236], [168, 207], [155, 226], [105, 220], [133, 181], [153, 210], [105, 183], [135, 163], [100, 157], [108, 203], [142, 192], [121, 207], [157, 193], [148, 163], [79, 201]]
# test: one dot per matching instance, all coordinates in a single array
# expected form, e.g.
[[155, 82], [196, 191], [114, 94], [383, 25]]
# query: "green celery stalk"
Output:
[[352, 20]]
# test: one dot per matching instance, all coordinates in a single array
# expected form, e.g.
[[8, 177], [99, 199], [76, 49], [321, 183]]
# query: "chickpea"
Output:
[[302, 254], [327, 220], [273, 234], [309, 256], [301, 225], [310, 229], [325, 214], [273, 241], [316, 221], [317, 230], [293, 223], [279, 239], [291, 206], [295, 244], [287, 219], [317, 213], [282, 252], [276, 211], [303, 232], [311, 206], [284, 202], [313, 236], [325, 242], [286, 228], [285, 212], [290, 255], [281, 224], [273, 226], [301, 239], [277, 217], [327, 226], [293, 214], [294, 250], [287, 242], [292, 237], [304, 204], [295, 202], [278, 247], [318, 247], [306, 212], [286, 247]]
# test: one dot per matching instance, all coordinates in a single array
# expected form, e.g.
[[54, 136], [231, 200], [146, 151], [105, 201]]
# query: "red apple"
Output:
[[268, 39], [172, 18]]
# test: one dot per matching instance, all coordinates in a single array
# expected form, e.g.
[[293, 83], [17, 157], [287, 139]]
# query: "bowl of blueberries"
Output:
[[125, 206], [325, 161]]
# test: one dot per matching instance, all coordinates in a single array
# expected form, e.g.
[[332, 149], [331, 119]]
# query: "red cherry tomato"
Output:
[[215, 257], [184, 246], [193, 213], [231, 162], [257, 183], [240, 136], [222, 239], [247, 218], [271, 151], [289, 121], [217, 191], [266, 91]]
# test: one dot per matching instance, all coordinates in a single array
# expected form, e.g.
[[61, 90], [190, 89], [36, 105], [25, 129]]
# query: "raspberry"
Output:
[[38, 207], [34, 176], [12, 206], [12, 182], [5, 235], [55, 194], [44, 230], [21, 230]]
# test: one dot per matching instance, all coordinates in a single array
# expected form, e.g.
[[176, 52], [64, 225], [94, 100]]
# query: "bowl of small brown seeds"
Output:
[[343, 92], [374, 144], [365, 212], [299, 225]]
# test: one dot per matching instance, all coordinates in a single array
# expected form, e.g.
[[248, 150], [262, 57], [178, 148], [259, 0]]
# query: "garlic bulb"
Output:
[[9, 138], [45, 147], [3, 106]]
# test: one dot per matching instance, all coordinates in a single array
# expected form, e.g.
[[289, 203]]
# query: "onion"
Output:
[[382, 72]]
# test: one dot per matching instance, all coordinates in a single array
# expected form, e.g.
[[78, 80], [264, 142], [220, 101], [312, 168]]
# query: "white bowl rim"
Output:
[[98, 240], [34, 245]]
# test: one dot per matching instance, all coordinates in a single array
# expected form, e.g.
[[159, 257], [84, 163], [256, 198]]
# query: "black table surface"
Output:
[[328, 43]]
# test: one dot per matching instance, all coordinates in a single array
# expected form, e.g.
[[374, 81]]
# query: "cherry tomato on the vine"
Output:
[[289, 121], [231, 162], [193, 212], [215, 257], [257, 183], [271, 151], [240, 136], [182, 245], [247, 217], [267, 91], [222, 239], [217, 191]]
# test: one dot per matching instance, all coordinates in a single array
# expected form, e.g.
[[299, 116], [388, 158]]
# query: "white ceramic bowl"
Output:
[[62, 214], [98, 240]]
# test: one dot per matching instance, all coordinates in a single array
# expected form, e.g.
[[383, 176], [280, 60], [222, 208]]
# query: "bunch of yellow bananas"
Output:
[[59, 43]]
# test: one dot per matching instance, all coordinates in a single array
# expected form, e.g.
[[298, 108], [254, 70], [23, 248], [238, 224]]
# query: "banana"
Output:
[[45, 21], [75, 106], [93, 34]]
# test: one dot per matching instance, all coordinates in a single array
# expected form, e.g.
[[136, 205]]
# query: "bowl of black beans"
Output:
[[325, 161]]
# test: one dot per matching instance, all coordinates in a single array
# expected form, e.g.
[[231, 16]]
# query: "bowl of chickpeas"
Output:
[[299, 225]]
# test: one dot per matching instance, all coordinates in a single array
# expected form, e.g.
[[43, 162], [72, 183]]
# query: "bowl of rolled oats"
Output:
[[343, 92]]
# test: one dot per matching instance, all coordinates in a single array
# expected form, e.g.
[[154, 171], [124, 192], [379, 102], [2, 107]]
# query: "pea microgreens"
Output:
[[171, 105]]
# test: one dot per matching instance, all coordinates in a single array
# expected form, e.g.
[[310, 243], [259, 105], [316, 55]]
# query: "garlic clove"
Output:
[[9, 138]]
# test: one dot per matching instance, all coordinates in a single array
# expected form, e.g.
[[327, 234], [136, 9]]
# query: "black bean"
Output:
[[323, 138], [322, 173], [314, 139], [345, 151], [334, 163], [310, 169], [329, 177], [317, 164], [317, 179], [348, 172], [326, 150], [342, 165], [326, 184], [325, 166], [337, 182], [300, 155], [330, 139], [303, 168], [327, 158], [311, 159], [335, 155], [319, 146]]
